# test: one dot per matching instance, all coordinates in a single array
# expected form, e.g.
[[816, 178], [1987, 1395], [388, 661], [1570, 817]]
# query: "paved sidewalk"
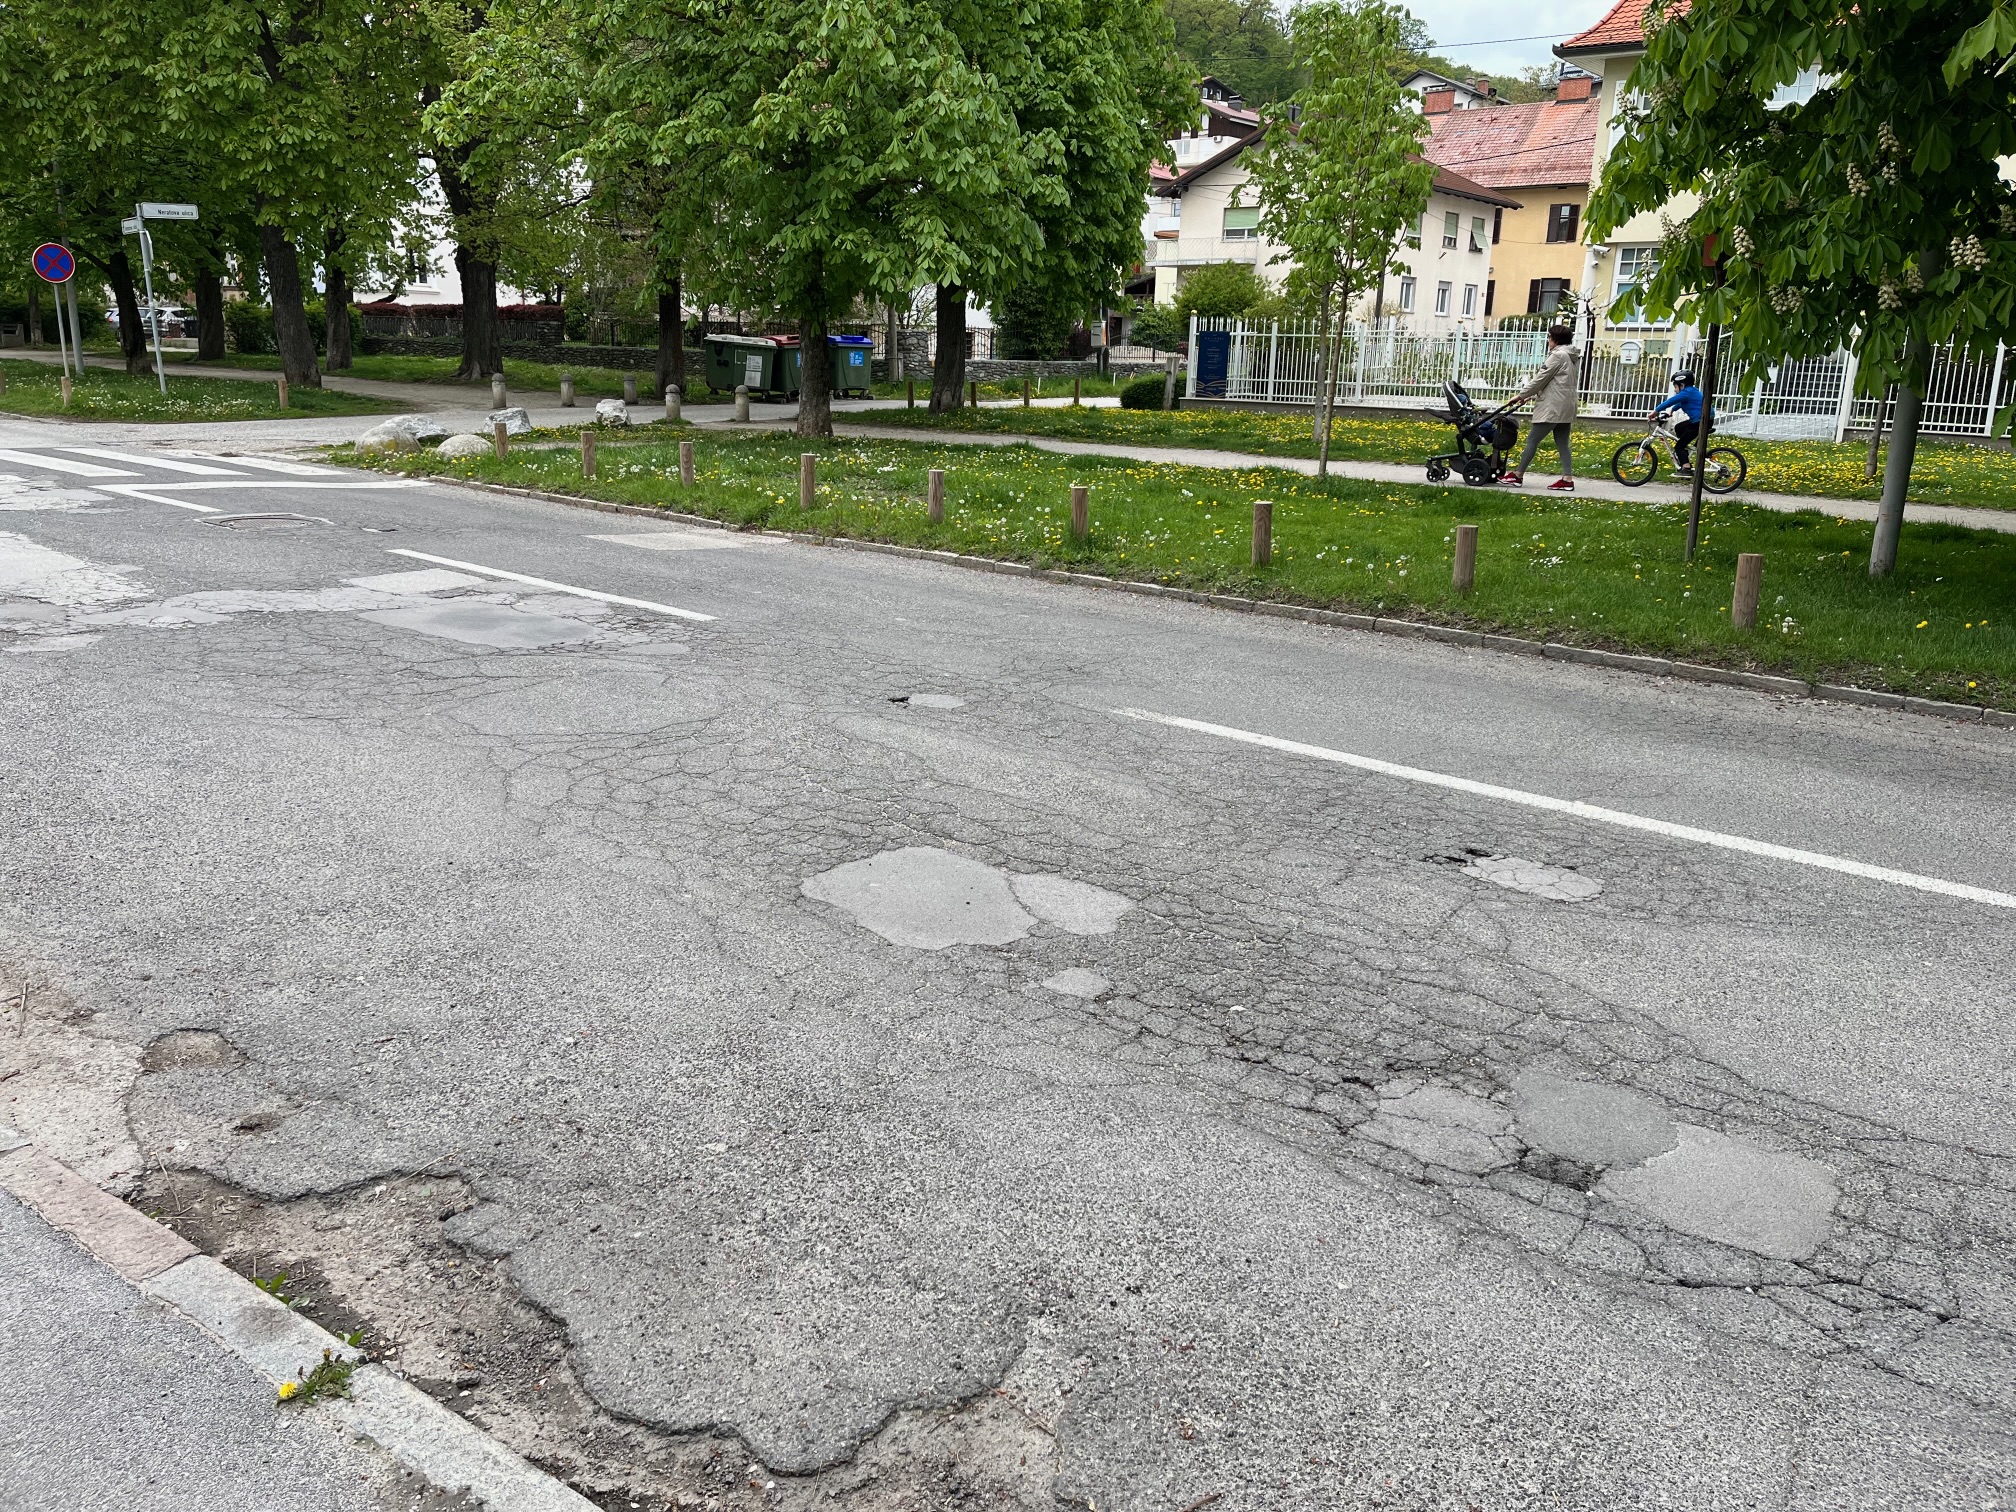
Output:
[[111, 1401], [1392, 472]]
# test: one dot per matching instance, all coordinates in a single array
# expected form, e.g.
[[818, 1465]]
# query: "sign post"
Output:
[[143, 212], [55, 266]]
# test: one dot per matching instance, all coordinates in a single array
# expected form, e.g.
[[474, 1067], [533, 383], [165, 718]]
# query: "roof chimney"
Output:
[[1573, 87], [1438, 101]]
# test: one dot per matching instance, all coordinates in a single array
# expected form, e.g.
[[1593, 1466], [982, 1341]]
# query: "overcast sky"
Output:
[[1455, 22]]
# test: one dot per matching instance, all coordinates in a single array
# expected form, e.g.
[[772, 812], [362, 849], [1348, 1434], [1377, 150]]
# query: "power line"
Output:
[[1494, 41]]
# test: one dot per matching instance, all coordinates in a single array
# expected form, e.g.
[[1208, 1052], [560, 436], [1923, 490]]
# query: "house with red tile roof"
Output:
[[1610, 50], [1539, 154], [1212, 216]]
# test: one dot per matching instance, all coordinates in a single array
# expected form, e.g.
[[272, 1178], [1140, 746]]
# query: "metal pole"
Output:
[[1994, 391], [62, 342], [76, 327], [153, 314], [1701, 440]]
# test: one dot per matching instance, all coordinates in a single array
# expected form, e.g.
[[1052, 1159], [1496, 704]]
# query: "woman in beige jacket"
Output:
[[1553, 394]]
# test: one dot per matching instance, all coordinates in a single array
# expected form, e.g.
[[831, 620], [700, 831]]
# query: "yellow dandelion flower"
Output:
[[289, 1390], [1921, 624]]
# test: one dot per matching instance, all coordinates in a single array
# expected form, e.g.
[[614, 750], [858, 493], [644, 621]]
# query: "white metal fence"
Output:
[[1803, 398]]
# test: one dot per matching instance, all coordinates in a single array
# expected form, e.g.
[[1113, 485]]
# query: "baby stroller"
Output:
[[1482, 439]]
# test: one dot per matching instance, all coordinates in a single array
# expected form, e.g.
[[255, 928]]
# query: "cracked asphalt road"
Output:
[[1336, 1174]]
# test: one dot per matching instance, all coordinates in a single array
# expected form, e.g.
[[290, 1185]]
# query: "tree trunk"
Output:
[[672, 338], [948, 369], [1875, 458], [1903, 450], [815, 378], [336, 316], [895, 367], [132, 325], [1317, 418], [35, 313], [209, 316], [482, 342], [290, 317]]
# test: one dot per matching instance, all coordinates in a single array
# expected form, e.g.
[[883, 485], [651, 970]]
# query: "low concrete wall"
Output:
[[643, 360]]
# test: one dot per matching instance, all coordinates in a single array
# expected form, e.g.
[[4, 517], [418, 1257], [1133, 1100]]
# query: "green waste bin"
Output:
[[853, 363], [735, 361]]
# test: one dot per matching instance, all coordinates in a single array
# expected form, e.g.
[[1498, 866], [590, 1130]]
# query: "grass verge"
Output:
[[1550, 566], [34, 388], [1945, 472]]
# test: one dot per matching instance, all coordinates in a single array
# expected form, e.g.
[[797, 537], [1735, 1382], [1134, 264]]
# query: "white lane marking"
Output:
[[291, 483], [144, 493], [164, 463], [28, 569], [266, 464], [1580, 810], [65, 465], [537, 582]]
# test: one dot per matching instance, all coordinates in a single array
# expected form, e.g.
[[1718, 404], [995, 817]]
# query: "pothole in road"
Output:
[[190, 1047], [391, 1260], [268, 520], [1559, 884], [929, 899]]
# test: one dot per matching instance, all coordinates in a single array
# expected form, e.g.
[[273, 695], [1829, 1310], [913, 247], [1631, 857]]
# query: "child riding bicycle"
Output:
[[1687, 400]]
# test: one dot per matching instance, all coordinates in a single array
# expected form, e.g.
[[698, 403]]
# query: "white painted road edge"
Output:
[[590, 593], [272, 1339], [1579, 810]]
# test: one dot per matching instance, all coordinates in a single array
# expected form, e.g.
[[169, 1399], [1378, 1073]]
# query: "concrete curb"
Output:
[[1654, 666], [417, 1431]]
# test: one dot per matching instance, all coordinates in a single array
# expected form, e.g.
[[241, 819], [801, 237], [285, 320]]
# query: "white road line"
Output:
[[163, 463], [64, 465], [269, 483], [519, 577], [267, 464], [1580, 810], [144, 493]]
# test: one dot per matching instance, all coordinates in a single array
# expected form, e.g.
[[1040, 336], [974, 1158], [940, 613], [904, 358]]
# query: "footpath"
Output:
[[467, 408]]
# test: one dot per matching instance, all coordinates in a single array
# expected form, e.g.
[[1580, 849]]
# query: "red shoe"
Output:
[[1512, 480], [1563, 485]]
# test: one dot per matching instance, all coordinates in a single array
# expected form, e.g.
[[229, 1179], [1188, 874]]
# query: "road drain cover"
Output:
[[271, 521], [1561, 884]]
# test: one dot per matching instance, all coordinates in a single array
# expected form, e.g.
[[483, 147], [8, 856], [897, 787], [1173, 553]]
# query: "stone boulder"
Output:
[[516, 421], [611, 412], [465, 446], [385, 438]]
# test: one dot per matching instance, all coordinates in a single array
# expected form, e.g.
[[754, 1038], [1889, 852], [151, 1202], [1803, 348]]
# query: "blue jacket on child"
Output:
[[1687, 400]]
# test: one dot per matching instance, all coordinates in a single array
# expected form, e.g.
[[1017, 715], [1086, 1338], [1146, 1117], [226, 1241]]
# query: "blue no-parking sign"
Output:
[[53, 263]]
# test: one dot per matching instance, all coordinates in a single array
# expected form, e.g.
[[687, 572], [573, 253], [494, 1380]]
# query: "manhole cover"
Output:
[[265, 521]]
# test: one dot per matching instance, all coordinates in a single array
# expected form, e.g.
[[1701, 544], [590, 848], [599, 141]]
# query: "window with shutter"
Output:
[[1533, 297], [1490, 297]]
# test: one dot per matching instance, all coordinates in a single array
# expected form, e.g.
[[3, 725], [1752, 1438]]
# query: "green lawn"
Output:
[[1578, 570], [34, 388], [1946, 472], [591, 383]]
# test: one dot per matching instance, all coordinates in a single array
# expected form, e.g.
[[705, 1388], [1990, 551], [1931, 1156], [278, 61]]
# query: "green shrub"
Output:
[[250, 326], [1143, 393], [1160, 327], [1219, 289]]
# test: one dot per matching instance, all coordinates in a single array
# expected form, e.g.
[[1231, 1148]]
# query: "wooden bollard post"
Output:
[[498, 438], [1464, 577], [497, 391], [672, 399], [934, 496], [741, 401], [587, 452], [972, 396], [912, 401], [281, 385], [566, 391], [686, 463], [64, 383], [1025, 393], [1263, 532], [1169, 385], [629, 388], [1077, 390], [1081, 511], [3, 383], [1749, 586], [808, 483]]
